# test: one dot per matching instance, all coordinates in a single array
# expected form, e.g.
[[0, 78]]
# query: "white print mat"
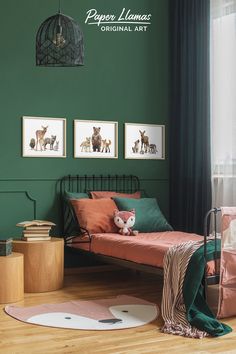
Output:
[[106, 314]]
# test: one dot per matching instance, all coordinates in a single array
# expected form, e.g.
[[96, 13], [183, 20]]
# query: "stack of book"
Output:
[[36, 230]]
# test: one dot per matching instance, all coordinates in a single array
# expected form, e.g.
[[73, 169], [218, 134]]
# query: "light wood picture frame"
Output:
[[43, 137], [144, 141], [95, 139]]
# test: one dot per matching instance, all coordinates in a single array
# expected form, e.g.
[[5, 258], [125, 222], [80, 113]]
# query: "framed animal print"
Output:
[[43, 137], [95, 139], [144, 141]]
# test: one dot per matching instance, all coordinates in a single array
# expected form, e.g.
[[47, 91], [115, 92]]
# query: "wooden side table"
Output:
[[12, 278], [43, 264]]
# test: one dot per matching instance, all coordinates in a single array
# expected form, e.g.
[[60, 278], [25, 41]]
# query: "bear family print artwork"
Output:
[[43, 137], [144, 141], [95, 139]]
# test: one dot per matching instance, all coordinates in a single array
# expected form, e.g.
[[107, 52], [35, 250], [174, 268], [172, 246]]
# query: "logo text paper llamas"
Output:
[[124, 21]]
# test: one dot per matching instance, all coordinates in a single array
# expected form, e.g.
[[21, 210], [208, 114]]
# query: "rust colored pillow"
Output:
[[108, 194], [95, 215]]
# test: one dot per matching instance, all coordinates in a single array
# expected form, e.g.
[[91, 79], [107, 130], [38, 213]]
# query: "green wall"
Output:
[[125, 79]]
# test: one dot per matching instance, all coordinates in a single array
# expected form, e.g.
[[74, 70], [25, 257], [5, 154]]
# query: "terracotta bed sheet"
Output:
[[145, 248]]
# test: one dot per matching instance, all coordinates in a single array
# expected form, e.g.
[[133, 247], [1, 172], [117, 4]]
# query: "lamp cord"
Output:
[[59, 6]]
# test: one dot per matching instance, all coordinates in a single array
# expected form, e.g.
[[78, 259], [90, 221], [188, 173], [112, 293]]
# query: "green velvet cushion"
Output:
[[75, 195], [149, 217]]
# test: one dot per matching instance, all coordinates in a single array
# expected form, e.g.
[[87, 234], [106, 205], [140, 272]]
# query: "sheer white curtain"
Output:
[[223, 101]]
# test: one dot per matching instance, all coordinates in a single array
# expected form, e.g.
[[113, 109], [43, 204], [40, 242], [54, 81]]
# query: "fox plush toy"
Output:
[[125, 220]]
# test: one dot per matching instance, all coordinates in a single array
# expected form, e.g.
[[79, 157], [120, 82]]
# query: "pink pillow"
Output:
[[95, 215], [108, 194]]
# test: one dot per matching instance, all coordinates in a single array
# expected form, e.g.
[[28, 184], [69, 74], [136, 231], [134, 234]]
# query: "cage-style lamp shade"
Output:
[[59, 42]]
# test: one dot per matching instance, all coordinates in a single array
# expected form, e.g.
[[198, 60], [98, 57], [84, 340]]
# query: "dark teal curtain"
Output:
[[190, 166]]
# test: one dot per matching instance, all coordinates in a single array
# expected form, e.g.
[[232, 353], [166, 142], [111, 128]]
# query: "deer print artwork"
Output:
[[43, 137], [144, 141], [42, 142]]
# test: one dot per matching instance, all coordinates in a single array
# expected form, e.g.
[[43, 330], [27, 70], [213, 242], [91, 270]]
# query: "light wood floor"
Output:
[[17, 337]]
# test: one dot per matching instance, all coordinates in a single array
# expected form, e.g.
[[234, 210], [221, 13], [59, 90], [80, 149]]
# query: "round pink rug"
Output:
[[106, 314]]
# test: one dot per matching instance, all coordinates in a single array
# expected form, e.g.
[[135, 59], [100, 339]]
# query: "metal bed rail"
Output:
[[211, 218]]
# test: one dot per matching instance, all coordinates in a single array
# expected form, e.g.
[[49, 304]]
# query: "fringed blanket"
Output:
[[184, 309], [173, 308]]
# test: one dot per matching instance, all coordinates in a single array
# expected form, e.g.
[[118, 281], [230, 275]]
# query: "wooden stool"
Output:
[[12, 278], [43, 264]]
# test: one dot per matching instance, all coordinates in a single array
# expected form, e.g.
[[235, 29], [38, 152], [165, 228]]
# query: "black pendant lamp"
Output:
[[59, 42]]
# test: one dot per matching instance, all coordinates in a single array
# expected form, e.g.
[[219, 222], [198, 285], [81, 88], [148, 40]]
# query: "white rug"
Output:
[[107, 314]]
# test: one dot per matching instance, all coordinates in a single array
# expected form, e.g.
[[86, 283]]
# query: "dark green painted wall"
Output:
[[125, 79]]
